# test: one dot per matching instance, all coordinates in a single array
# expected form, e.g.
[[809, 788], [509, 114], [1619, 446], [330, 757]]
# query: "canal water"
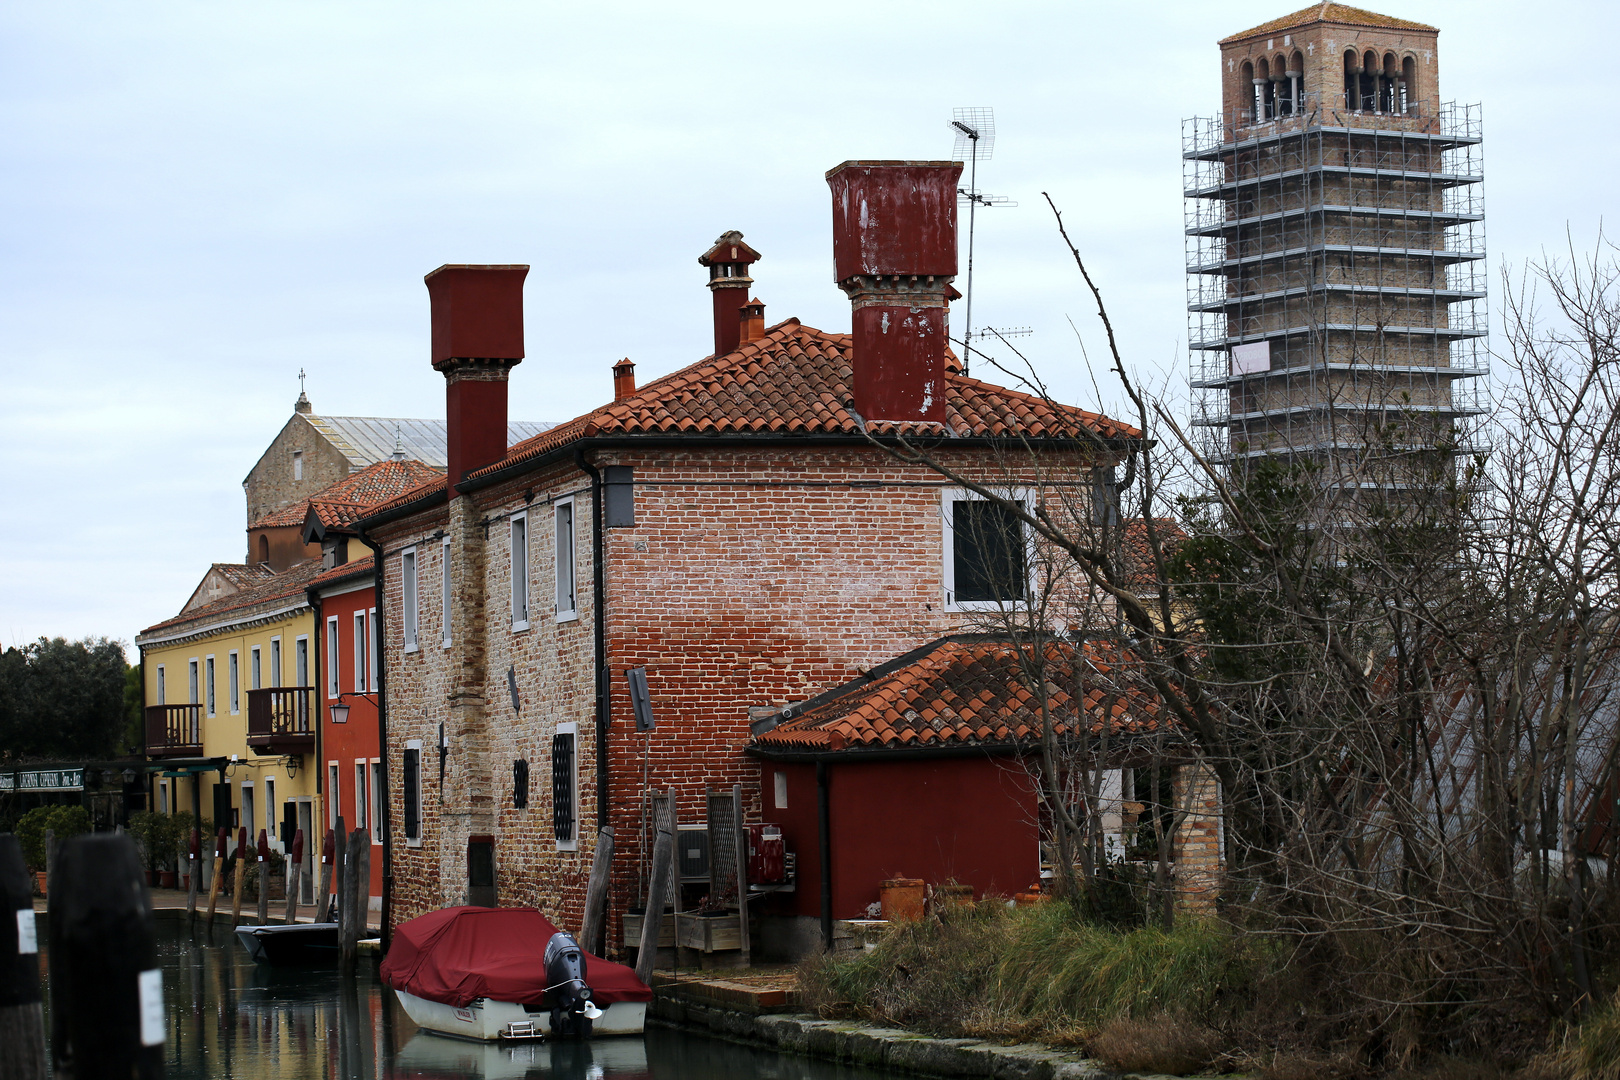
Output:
[[231, 1018]]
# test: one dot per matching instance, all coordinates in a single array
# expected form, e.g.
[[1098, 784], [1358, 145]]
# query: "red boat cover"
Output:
[[460, 954]]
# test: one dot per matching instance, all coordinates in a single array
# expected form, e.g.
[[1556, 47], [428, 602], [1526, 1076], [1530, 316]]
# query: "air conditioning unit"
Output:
[[692, 852]]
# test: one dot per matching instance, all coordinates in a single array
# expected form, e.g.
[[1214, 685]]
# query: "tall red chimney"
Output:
[[477, 339], [728, 262], [894, 253]]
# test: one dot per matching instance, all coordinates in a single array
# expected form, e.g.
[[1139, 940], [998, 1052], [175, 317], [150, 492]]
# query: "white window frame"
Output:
[[565, 559], [298, 465], [332, 687], [162, 686], [408, 584], [518, 561], [950, 496], [361, 659], [362, 776], [371, 650], [194, 680], [249, 816], [445, 595], [301, 659], [255, 669], [781, 789], [567, 728], [208, 685], [374, 774], [421, 818], [334, 772], [275, 661], [271, 825], [233, 666]]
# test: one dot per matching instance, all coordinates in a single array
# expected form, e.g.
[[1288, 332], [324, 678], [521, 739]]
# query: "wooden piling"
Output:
[[348, 924], [264, 878], [295, 873], [652, 924], [219, 872], [591, 928], [193, 866], [360, 875], [339, 865], [107, 1016], [238, 875], [22, 1014], [323, 898]]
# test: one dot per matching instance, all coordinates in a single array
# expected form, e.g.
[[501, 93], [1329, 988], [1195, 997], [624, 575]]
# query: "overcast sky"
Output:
[[201, 199]]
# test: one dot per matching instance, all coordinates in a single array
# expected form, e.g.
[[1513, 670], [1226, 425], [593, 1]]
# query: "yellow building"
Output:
[[231, 706]]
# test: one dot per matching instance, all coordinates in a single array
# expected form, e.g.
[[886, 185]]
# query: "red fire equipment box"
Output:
[[765, 862]]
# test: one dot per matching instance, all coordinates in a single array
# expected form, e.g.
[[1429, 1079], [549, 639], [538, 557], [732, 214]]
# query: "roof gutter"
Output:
[[599, 631], [855, 755]]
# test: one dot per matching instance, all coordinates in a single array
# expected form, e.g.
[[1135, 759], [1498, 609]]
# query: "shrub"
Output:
[[65, 822]]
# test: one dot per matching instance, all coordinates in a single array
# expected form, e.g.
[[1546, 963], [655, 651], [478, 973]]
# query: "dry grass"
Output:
[[1162, 1043]]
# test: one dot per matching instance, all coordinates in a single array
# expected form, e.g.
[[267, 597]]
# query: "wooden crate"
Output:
[[711, 933], [632, 932]]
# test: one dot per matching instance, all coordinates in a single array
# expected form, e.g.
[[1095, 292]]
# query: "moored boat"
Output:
[[508, 973], [296, 943]]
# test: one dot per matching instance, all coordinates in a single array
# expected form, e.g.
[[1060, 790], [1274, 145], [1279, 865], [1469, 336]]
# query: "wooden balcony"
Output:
[[281, 720], [174, 731]]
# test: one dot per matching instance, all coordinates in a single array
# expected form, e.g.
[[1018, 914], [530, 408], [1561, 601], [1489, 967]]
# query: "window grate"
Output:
[[412, 795], [562, 786]]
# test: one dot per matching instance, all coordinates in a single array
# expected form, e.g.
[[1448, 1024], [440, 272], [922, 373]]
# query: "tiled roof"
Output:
[[365, 440], [339, 573], [1333, 13], [270, 593], [971, 691], [795, 381], [1137, 554], [242, 575], [345, 501]]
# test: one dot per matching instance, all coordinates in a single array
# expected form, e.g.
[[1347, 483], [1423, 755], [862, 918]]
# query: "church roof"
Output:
[[1333, 13], [365, 440], [345, 501]]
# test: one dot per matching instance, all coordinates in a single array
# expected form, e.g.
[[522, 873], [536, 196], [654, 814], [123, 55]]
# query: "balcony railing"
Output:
[[281, 720], [173, 730]]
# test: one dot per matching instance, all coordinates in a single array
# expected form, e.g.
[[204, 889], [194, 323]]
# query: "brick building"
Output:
[[737, 530]]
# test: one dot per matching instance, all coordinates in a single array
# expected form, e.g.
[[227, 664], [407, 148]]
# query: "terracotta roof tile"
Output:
[[1334, 13], [909, 703], [345, 501], [338, 573], [270, 593]]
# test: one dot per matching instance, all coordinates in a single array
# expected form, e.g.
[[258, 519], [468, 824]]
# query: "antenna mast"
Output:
[[975, 138]]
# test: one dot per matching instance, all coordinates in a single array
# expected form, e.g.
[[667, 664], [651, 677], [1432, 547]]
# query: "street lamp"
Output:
[[339, 709]]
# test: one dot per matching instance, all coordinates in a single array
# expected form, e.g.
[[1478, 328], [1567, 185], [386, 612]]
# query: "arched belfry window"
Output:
[[1370, 90], [1295, 74], [1256, 110], [1409, 85], [1265, 103], [1352, 80]]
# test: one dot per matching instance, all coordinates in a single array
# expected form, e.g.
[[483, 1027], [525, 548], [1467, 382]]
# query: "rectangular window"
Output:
[[376, 801], [162, 690], [301, 660], [562, 787], [275, 661], [411, 791], [255, 675], [360, 664], [209, 668], [986, 554], [250, 822], [445, 594], [781, 791], [566, 606], [407, 575], [191, 671], [359, 795], [235, 668], [298, 464], [270, 808], [331, 656], [332, 793], [520, 573], [371, 650]]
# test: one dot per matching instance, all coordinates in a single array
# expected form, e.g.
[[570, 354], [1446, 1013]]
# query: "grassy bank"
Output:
[[1205, 997]]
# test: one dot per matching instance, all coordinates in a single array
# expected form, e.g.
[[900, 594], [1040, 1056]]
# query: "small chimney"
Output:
[[728, 262], [752, 322], [894, 254], [624, 379], [477, 340]]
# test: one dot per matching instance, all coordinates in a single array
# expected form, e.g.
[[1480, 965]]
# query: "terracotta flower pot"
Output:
[[39, 881], [166, 879]]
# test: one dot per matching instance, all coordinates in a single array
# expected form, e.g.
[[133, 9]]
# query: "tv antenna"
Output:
[[975, 140]]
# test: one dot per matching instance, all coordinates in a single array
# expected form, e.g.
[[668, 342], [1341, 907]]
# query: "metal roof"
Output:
[[366, 440]]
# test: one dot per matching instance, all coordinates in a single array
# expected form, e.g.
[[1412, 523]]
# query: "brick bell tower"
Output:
[[1335, 254]]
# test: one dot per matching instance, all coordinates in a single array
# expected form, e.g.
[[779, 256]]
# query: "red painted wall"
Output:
[[356, 740], [970, 820]]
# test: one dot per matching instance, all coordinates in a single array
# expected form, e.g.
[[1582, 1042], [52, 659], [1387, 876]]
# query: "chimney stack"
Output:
[[752, 322], [477, 340], [624, 379], [894, 254], [728, 262]]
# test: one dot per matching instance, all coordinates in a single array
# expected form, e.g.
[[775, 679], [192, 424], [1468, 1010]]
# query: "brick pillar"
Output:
[[1196, 846], [468, 797]]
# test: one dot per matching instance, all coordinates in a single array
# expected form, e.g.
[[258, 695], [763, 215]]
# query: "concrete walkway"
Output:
[[166, 901]]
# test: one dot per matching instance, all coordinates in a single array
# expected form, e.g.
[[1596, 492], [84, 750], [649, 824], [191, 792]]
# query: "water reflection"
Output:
[[231, 1018]]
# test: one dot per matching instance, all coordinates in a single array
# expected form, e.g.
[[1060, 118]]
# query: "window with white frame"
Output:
[[162, 689], [191, 673], [377, 809], [255, 674], [564, 790], [248, 819], [332, 794], [410, 794], [362, 664], [301, 660], [298, 464], [445, 593], [275, 661], [567, 601], [987, 556], [332, 656], [359, 795], [407, 576], [520, 572], [270, 809], [371, 650], [234, 667], [208, 668]]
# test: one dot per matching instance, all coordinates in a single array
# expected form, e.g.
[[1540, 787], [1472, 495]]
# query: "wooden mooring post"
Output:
[[264, 878], [22, 1015], [323, 898], [193, 866], [339, 861], [295, 873], [593, 925], [107, 1015], [219, 872], [238, 876], [355, 895], [652, 924]]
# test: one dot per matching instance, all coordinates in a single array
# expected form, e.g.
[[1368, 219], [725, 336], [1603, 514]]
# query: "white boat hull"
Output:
[[487, 1020]]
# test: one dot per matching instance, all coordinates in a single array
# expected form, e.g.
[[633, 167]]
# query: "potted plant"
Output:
[[148, 829], [64, 822]]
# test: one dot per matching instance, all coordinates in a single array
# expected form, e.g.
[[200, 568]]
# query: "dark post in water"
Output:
[[323, 894], [22, 1017], [264, 878], [193, 865], [295, 866]]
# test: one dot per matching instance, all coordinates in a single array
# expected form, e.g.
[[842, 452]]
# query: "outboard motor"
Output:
[[571, 1007]]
